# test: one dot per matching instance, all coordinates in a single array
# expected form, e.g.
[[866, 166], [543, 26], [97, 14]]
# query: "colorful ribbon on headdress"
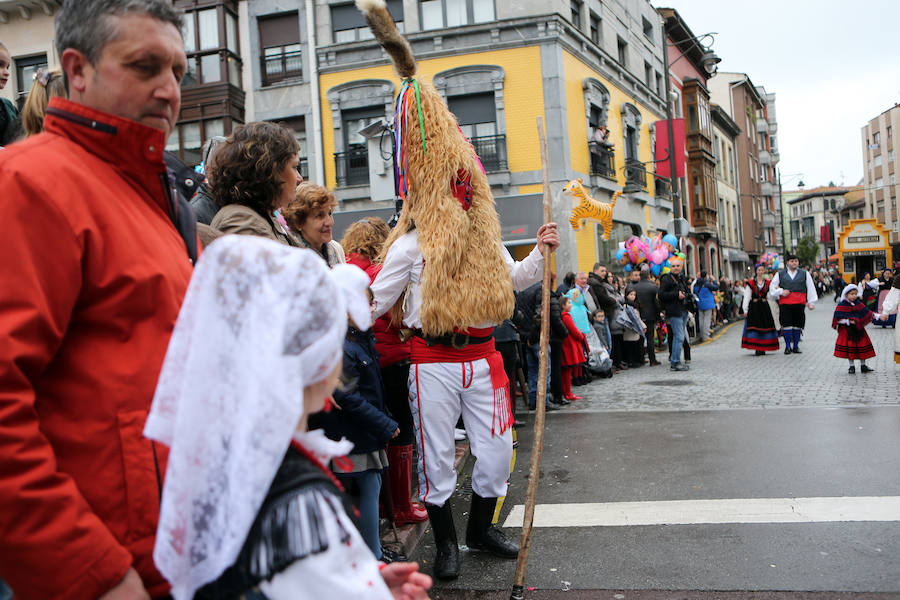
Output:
[[409, 88]]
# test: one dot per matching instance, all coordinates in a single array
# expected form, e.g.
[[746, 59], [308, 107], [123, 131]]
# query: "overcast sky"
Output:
[[832, 65]]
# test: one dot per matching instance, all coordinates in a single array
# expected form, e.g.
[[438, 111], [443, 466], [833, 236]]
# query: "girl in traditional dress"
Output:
[[759, 326], [850, 319], [573, 348], [248, 508]]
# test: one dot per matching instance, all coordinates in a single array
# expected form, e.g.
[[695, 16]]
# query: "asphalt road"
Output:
[[735, 427]]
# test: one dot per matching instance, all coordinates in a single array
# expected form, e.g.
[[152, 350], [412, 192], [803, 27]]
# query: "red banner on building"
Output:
[[662, 147]]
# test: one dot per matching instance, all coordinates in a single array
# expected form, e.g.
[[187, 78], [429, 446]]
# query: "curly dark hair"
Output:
[[248, 165]]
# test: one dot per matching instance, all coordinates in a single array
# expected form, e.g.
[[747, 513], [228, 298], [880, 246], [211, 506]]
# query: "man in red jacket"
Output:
[[97, 253]]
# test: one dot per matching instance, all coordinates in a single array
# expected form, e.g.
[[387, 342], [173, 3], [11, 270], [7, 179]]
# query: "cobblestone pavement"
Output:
[[724, 376]]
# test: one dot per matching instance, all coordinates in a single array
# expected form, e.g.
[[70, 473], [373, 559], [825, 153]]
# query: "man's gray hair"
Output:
[[85, 25]]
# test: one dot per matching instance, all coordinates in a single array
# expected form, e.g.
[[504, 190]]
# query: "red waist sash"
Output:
[[422, 353], [793, 298]]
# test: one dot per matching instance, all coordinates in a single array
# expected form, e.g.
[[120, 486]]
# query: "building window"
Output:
[[890, 132], [477, 117], [876, 138], [437, 14], [595, 28], [878, 161], [635, 171], [622, 48], [279, 40], [353, 164], [211, 45], [659, 84], [576, 6], [298, 126], [648, 29], [349, 25], [25, 68], [188, 137], [648, 75]]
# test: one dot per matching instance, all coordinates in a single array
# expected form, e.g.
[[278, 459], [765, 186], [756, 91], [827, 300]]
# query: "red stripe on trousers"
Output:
[[421, 435]]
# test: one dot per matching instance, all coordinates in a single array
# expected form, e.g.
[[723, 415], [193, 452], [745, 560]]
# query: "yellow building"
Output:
[[500, 66]]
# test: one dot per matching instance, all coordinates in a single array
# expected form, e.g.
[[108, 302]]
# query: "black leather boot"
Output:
[[446, 560], [481, 535]]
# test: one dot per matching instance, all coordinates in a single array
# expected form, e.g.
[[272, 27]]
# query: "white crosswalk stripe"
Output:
[[696, 512]]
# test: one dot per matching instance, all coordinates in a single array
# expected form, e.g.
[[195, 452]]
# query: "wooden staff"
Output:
[[537, 446]]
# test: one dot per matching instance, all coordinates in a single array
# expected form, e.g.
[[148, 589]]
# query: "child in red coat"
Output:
[[573, 349], [850, 319]]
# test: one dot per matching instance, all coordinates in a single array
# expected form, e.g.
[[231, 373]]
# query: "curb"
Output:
[[719, 333]]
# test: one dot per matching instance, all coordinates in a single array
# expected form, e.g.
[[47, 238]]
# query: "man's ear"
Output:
[[78, 70]]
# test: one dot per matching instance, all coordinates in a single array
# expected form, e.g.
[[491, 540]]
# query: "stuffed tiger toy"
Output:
[[588, 208]]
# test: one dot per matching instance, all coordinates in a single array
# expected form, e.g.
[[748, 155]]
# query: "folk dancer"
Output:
[[759, 326], [448, 280], [795, 291]]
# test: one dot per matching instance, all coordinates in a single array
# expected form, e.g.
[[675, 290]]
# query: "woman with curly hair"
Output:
[[363, 242], [253, 178], [310, 215]]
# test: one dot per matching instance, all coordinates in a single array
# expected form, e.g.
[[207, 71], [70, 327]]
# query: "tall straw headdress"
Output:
[[446, 198]]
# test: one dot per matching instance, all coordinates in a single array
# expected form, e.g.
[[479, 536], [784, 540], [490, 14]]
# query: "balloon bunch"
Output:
[[656, 252], [771, 260]]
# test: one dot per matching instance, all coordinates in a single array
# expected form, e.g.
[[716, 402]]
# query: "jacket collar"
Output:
[[131, 147]]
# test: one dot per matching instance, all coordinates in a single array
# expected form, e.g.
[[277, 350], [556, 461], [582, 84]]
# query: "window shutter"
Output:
[[279, 30], [473, 108]]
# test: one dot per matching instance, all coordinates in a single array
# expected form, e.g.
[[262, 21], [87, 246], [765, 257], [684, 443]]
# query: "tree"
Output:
[[807, 251]]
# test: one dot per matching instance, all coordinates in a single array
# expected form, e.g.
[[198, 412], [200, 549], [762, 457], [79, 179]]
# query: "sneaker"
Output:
[[679, 367], [459, 434]]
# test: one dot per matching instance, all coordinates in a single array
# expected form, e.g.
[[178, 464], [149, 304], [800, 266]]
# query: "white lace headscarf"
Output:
[[260, 321]]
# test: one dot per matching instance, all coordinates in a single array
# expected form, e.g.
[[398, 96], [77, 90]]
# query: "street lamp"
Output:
[[710, 63]]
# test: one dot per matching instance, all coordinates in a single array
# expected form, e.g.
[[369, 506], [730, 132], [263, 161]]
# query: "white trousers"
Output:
[[438, 394]]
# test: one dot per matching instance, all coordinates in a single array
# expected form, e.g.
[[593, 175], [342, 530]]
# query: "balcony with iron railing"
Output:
[[491, 149], [635, 176], [603, 161], [352, 166], [281, 65]]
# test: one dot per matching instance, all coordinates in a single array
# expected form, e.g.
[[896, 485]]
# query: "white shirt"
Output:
[[775, 288], [403, 267]]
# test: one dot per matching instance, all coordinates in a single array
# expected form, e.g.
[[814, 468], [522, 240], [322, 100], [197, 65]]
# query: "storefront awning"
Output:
[[736, 256]]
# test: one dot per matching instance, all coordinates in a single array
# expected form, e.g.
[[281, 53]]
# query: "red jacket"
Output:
[[387, 338], [94, 274], [573, 345]]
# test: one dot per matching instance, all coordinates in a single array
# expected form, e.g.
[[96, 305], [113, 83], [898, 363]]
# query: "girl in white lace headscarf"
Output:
[[256, 347]]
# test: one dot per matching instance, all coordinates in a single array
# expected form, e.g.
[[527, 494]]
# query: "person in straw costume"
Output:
[[448, 279]]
